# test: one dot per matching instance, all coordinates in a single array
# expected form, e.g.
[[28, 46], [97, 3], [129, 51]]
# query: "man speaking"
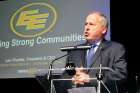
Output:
[[106, 53]]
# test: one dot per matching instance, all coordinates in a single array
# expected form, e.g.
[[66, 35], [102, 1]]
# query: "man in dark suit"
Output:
[[109, 54]]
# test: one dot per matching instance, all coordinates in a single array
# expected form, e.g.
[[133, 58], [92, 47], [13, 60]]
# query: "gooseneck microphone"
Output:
[[51, 64]]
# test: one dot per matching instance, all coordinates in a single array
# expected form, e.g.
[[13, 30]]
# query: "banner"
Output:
[[33, 31]]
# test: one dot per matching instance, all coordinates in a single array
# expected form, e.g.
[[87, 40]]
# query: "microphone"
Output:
[[51, 64], [70, 69], [79, 47]]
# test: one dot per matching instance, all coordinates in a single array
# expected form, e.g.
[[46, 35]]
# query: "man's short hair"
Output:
[[103, 20]]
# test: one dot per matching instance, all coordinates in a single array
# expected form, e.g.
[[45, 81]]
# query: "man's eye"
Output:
[[86, 23], [91, 24]]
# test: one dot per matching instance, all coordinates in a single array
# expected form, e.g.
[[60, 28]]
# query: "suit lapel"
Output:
[[104, 44], [97, 54]]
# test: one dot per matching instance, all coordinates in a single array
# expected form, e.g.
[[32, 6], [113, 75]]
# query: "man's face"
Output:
[[94, 28]]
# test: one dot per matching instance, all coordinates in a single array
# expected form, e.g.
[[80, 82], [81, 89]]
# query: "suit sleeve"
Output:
[[117, 79], [114, 58], [118, 64]]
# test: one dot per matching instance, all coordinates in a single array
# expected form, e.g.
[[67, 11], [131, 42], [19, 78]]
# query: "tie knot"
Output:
[[93, 45]]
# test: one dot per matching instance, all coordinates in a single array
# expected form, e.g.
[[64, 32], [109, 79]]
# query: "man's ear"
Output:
[[104, 31]]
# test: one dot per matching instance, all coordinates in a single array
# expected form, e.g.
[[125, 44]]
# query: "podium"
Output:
[[49, 85], [82, 90], [44, 82], [75, 89]]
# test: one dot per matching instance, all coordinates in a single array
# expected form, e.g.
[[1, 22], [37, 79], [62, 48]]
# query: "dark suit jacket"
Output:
[[109, 54]]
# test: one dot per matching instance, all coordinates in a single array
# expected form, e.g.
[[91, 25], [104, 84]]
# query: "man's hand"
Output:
[[80, 77]]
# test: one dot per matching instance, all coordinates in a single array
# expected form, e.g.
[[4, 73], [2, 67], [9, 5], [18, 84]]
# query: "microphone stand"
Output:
[[49, 77], [100, 75], [99, 80]]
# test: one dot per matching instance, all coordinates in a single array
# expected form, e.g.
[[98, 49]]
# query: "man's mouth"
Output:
[[86, 34]]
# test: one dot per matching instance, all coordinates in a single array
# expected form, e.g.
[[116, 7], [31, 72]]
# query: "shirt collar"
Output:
[[97, 43]]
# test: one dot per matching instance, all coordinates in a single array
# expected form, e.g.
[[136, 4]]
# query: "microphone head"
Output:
[[70, 69]]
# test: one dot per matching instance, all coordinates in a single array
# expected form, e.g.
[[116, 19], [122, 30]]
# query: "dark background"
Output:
[[123, 27]]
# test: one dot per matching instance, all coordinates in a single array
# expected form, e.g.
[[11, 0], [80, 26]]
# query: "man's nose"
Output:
[[87, 29]]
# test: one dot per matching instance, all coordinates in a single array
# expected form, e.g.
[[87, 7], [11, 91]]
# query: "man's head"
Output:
[[95, 27]]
